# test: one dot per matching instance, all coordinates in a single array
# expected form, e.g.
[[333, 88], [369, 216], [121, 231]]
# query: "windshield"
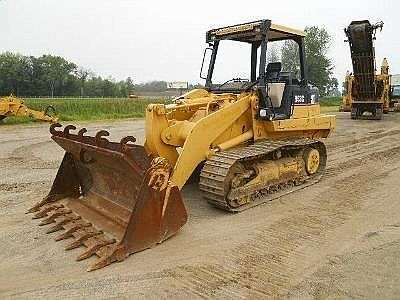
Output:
[[396, 91], [232, 62], [232, 69]]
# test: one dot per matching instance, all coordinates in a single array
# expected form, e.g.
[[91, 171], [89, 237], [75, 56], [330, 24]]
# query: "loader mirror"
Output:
[[206, 61]]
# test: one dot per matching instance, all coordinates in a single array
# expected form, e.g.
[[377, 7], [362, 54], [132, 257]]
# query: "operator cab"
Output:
[[279, 91]]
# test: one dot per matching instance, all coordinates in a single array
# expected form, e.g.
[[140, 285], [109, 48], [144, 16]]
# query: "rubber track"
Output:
[[216, 169]]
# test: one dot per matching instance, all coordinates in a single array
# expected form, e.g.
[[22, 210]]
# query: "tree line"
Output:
[[54, 76]]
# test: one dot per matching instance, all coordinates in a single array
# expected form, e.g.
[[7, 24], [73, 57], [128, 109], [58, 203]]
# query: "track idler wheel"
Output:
[[312, 160]]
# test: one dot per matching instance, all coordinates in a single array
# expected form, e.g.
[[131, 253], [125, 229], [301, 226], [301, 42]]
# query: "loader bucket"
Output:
[[110, 197]]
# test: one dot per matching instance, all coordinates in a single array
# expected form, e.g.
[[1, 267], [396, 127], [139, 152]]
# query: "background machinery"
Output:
[[347, 92], [395, 92], [369, 93], [384, 80], [249, 140], [15, 107]]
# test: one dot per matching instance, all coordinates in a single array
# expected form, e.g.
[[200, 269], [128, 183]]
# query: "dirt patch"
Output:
[[337, 239]]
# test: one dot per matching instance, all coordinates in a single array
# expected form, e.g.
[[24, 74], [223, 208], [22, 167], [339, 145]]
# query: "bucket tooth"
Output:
[[42, 214], [69, 233], [98, 244], [60, 224], [55, 228], [113, 254], [43, 204], [64, 236], [100, 263], [34, 208], [46, 221], [83, 235], [58, 213], [44, 211]]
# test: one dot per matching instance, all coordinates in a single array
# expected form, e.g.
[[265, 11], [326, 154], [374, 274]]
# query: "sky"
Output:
[[165, 40]]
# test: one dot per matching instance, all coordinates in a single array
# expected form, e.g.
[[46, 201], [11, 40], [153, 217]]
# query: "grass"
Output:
[[330, 101], [329, 109], [76, 109], [330, 104]]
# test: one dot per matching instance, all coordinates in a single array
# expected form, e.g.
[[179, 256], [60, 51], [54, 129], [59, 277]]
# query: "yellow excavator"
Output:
[[249, 140], [14, 107]]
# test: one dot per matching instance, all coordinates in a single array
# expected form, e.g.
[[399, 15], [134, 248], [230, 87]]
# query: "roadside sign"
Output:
[[179, 85]]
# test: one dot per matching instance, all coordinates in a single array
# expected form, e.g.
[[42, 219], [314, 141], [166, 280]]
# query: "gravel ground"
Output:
[[339, 238]]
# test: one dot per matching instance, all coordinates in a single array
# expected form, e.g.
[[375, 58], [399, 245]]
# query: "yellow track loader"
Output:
[[15, 107], [250, 140]]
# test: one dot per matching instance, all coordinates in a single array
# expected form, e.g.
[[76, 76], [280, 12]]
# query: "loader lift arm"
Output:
[[15, 107]]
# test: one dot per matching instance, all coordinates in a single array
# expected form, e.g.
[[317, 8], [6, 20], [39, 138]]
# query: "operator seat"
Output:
[[273, 71], [276, 89], [275, 86]]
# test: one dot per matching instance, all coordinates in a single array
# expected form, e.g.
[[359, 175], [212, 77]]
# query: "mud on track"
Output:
[[339, 238]]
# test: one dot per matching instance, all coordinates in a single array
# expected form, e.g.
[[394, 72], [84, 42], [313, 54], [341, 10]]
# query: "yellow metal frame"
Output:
[[13, 106]]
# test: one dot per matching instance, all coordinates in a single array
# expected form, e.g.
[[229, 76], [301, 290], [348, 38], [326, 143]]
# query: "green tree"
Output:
[[319, 65], [109, 88], [56, 72], [55, 76], [332, 88], [124, 87], [15, 73], [82, 74], [130, 87], [94, 87]]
